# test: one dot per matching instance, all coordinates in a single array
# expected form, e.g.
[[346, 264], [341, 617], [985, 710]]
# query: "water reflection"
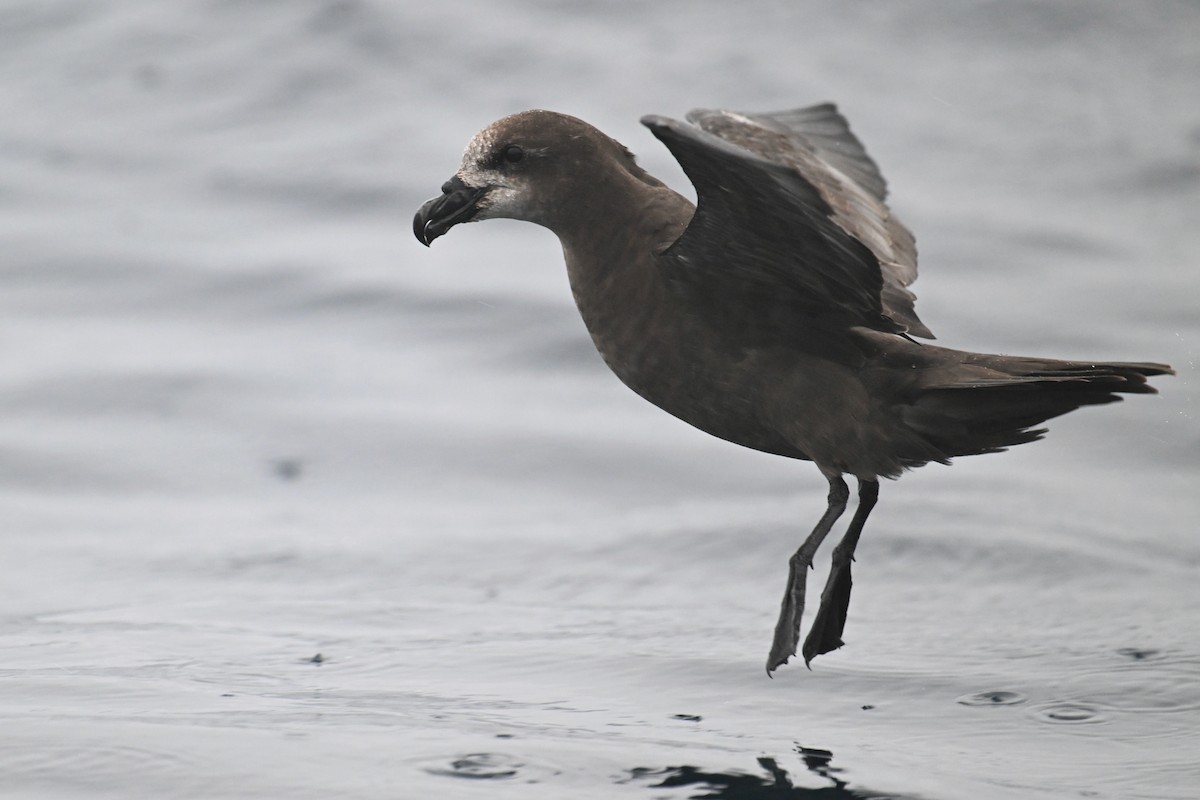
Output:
[[774, 782]]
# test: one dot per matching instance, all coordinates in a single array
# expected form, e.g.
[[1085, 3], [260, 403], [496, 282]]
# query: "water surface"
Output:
[[293, 507]]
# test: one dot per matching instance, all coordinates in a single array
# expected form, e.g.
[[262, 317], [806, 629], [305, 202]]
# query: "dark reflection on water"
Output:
[[775, 782]]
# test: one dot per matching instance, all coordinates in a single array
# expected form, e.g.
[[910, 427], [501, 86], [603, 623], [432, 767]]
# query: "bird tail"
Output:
[[987, 403]]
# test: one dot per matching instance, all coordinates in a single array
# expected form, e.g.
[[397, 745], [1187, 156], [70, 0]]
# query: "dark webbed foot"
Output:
[[825, 635], [826, 632], [787, 629]]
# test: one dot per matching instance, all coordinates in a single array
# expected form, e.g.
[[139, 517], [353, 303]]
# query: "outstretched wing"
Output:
[[790, 221]]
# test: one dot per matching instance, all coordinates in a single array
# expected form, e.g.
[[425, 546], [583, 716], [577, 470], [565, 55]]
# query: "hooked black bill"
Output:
[[458, 203]]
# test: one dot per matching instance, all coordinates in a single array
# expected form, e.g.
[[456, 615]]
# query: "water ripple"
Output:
[[996, 697], [1069, 713], [1150, 682], [99, 761], [489, 767]]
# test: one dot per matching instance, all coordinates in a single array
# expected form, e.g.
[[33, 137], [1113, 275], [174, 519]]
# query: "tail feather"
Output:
[[989, 403]]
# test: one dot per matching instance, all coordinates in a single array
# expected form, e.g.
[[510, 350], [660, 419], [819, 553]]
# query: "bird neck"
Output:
[[620, 291], [610, 242]]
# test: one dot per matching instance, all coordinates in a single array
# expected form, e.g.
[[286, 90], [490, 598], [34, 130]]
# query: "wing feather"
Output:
[[792, 200]]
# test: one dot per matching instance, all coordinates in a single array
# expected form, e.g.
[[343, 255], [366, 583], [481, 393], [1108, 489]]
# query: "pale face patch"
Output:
[[508, 195], [481, 146]]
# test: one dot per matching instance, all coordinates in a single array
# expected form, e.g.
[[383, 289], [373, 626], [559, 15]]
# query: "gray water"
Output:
[[293, 507]]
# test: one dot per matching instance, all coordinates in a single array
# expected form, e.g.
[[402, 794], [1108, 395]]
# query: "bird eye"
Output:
[[513, 153]]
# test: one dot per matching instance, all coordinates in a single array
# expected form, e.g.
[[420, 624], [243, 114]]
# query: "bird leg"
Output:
[[787, 629], [826, 632]]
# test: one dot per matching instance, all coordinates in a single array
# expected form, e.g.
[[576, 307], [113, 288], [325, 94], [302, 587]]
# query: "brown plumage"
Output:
[[775, 314]]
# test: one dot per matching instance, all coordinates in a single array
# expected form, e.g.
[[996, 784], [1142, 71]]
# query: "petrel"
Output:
[[775, 313]]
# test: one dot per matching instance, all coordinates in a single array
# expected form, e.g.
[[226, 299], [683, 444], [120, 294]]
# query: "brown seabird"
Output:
[[774, 314]]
